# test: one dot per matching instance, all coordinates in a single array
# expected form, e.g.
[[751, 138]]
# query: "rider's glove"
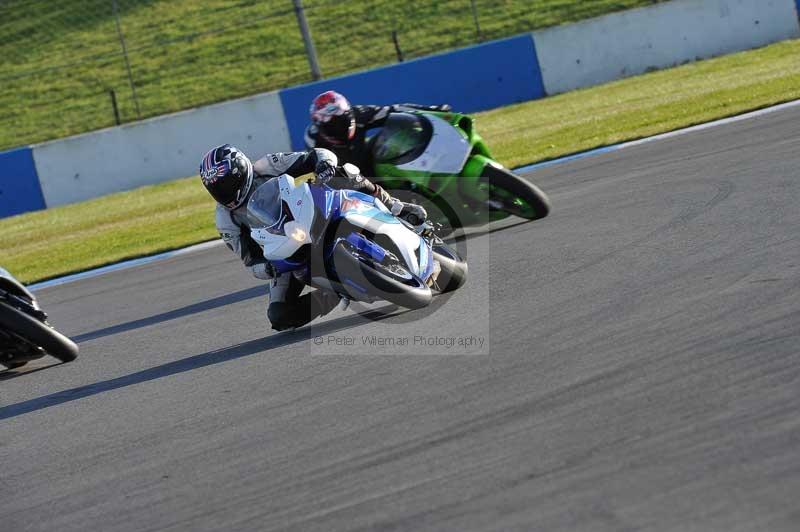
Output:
[[410, 212], [324, 171]]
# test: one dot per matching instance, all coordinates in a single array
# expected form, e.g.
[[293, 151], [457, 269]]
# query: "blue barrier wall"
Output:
[[19, 184], [471, 79]]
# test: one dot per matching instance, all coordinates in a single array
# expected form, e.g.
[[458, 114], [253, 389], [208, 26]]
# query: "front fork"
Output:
[[474, 191]]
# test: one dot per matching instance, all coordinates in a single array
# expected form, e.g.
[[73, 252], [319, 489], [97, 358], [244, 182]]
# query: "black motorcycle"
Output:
[[25, 334]]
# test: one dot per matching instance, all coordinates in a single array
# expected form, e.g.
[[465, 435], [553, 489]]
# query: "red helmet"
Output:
[[334, 118]]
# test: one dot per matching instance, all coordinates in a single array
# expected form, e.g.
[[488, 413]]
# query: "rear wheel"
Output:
[[37, 333], [512, 194]]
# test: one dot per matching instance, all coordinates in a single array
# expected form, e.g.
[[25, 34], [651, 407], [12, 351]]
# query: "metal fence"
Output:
[[77, 65]]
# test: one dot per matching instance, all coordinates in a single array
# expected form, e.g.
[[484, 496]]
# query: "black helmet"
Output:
[[227, 174]]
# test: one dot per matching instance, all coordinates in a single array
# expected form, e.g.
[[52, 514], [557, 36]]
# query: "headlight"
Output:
[[298, 235]]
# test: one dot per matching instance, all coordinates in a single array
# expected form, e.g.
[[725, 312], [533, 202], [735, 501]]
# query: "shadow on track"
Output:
[[9, 374], [487, 229], [210, 358], [248, 293], [221, 355], [195, 308]]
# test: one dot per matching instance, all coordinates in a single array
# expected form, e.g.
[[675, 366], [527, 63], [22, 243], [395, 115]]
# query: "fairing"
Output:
[[438, 147]]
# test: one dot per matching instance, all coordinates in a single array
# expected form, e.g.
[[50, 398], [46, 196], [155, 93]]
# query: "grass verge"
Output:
[[152, 219]]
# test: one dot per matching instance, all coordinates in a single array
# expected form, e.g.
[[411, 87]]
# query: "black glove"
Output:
[[324, 171], [410, 212]]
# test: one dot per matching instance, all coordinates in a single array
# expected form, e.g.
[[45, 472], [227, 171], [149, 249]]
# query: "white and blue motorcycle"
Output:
[[349, 243]]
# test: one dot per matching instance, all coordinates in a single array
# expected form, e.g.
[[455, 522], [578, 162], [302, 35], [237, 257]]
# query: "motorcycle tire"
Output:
[[37, 333], [454, 270], [515, 195], [403, 289]]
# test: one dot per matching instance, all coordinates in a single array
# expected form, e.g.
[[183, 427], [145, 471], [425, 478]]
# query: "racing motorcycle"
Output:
[[349, 243], [437, 158], [25, 334]]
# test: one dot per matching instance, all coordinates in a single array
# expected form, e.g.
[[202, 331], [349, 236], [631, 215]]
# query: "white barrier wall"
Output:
[[635, 41], [156, 150]]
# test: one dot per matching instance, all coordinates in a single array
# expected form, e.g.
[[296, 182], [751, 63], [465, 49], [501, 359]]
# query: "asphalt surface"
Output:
[[640, 371]]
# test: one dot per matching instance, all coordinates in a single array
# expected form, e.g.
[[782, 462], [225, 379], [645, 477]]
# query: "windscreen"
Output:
[[264, 207], [404, 138]]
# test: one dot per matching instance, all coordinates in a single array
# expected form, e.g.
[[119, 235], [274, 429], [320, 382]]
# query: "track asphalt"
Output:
[[639, 370]]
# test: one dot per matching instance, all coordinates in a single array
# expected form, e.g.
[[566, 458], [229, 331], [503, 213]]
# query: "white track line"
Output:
[[605, 149]]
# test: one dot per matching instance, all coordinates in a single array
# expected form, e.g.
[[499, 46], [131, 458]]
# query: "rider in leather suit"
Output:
[[342, 128], [230, 178]]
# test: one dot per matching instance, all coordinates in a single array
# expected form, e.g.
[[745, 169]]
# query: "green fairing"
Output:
[[404, 139]]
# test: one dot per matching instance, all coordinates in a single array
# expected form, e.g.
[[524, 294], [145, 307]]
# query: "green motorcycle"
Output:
[[438, 160]]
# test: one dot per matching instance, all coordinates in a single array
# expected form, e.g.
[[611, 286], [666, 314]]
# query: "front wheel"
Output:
[[37, 333], [512, 194], [392, 283], [453, 272]]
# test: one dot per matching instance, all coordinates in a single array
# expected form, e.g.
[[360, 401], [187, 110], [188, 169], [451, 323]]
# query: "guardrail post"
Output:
[[125, 55], [475, 19], [307, 41], [397, 48], [114, 105]]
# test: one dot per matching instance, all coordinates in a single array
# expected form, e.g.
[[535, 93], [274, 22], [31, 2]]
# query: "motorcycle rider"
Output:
[[342, 128], [230, 178]]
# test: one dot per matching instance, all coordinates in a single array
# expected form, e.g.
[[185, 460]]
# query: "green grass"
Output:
[[60, 59], [151, 219], [109, 229]]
